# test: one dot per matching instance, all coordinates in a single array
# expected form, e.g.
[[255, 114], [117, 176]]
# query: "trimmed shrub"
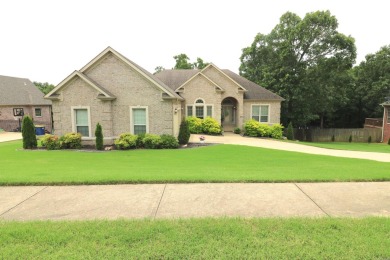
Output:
[[140, 140], [28, 133], [184, 133], [51, 142], [290, 131], [276, 131], [71, 141], [211, 126], [237, 130], [99, 137], [264, 130], [388, 141], [194, 124], [169, 142], [369, 139], [126, 141], [251, 128], [332, 139], [152, 141], [350, 139]]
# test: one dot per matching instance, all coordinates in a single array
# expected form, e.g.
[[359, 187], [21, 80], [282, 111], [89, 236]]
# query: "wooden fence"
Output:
[[340, 134]]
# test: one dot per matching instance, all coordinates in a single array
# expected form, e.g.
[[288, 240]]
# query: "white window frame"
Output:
[[131, 117], [268, 115], [73, 117], [35, 111], [204, 105]]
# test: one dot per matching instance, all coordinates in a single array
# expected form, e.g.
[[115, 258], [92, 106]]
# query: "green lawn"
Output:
[[219, 163], [322, 238], [365, 147]]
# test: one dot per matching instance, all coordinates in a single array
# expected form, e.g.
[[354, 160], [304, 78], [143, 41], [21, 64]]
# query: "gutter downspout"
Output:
[[383, 122]]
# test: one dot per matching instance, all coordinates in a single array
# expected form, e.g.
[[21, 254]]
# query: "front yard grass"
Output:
[[219, 163], [322, 238], [364, 147]]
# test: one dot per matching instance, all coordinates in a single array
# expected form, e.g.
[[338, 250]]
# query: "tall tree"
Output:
[[182, 62], [158, 69], [200, 64], [44, 87], [301, 60]]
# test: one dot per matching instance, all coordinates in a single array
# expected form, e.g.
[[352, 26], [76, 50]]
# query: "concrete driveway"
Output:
[[230, 138], [10, 136], [195, 200]]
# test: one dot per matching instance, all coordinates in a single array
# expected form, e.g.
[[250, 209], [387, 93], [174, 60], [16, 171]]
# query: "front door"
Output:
[[228, 117]]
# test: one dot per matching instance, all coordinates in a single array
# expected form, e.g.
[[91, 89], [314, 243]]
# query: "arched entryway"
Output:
[[229, 114]]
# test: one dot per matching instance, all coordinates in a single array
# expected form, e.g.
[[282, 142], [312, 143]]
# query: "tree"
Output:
[[28, 133], [290, 132], [183, 62], [99, 137], [158, 69], [184, 133], [44, 87], [302, 60]]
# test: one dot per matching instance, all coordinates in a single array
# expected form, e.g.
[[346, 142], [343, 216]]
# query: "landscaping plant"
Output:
[[290, 131], [152, 141], [251, 128], [99, 137], [127, 141], [51, 142], [388, 141], [211, 126], [350, 139], [28, 133], [71, 141], [276, 131], [237, 130], [169, 142], [369, 139], [184, 133], [194, 124]]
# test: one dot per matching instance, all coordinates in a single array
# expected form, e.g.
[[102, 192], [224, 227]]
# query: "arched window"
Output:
[[200, 109]]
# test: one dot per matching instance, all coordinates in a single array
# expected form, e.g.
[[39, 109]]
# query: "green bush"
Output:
[[99, 137], [71, 141], [350, 139], [237, 130], [251, 128], [264, 130], [332, 138], [184, 133], [194, 124], [388, 141], [28, 133], [126, 141], [51, 142], [369, 139], [169, 142], [276, 131], [152, 141], [211, 126], [140, 140], [290, 131]]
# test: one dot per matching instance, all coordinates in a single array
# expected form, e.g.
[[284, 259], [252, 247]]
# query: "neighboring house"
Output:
[[18, 97], [123, 97], [386, 121]]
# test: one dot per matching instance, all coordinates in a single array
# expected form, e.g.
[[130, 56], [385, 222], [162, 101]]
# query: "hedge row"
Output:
[[67, 141], [128, 141], [203, 126], [255, 129]]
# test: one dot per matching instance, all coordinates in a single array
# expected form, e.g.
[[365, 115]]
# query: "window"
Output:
[[82, 122], [139, 120], [38, 112], [260, 113], [189, 110], [210, 111], [200, 109]]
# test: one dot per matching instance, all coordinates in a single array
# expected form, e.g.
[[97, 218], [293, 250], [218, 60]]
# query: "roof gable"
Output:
[[211, 65], [103, 93], [147, 75], [20, 91], [201, 75]]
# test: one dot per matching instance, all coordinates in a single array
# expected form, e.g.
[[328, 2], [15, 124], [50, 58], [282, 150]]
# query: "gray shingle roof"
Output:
[[254, 91], [20, 91], [175, 78]]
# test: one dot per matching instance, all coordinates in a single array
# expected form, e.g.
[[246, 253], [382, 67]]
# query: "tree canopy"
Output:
[[44, 87], [306, 61], [183, 62]]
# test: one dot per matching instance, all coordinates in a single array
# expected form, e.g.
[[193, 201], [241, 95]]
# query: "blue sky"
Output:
[[47, 40]]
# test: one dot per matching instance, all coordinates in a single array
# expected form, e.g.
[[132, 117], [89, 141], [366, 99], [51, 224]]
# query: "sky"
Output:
[[46, 40]]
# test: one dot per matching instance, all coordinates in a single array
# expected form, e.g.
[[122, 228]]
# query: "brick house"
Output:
[[19, 96], [386, 121], [123, 97]]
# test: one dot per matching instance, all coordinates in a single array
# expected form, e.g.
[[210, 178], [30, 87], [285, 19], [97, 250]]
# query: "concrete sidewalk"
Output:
[[10, 136], [195, 200], [230, 138]]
